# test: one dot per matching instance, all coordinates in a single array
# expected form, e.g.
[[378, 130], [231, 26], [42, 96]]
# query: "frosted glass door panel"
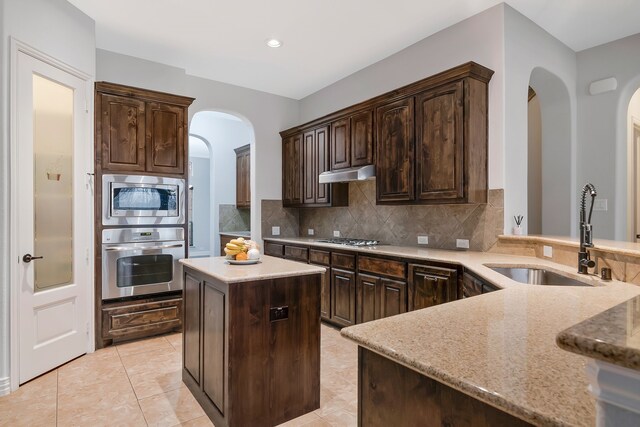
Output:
[[53, 182]]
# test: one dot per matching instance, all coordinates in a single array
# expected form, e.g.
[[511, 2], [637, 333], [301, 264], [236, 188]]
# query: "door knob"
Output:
[[28, 258]]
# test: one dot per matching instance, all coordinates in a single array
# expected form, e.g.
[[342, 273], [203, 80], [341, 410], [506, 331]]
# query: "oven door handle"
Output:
[[141, 248]]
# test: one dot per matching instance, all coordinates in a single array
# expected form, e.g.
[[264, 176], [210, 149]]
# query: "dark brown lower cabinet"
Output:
[[393, 395], [126, 320], [429, 286], [473, 285], [379, 297], [244, 364], [343, 297]]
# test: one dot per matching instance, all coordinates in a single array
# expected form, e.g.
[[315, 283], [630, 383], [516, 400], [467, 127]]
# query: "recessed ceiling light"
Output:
[[274, 43]]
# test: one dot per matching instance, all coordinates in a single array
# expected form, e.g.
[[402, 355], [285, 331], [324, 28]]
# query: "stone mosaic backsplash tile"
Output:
[[233, 219], [481, 224], [273, 214]]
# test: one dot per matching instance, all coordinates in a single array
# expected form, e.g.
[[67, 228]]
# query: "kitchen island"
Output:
[[251, 342]]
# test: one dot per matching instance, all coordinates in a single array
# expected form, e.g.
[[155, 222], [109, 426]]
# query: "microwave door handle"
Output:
[[145, 248]]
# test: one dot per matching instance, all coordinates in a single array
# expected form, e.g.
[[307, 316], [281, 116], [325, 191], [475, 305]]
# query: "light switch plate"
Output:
[[462, 243], [600, 205], [336, 233], [423, 240], [547, 251], [275, 231], [310, 231]]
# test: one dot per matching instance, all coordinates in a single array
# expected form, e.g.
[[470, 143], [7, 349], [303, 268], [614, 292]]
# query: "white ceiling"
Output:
[[324, 40]]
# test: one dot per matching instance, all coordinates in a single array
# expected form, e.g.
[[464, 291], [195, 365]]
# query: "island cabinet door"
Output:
[[213, 344], [343, 297], [191, 332], [429, 286]]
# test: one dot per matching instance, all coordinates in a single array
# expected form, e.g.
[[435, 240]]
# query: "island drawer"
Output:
[[341, 260], [296, 253], [471, 286], [319, 257], [382, 266], [274, 249]]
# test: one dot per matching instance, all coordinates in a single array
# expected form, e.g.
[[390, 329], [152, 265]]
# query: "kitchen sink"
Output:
[[537, 276]]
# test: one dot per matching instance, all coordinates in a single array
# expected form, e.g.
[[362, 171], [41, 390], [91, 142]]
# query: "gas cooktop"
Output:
[[349, 241]]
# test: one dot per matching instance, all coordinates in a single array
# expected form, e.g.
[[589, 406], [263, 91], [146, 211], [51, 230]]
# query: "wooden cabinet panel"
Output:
[[292, 162], [296, 253], [122, 121], [243, 176], [395, 173], [471, 286], [429, 286], [393, 298], [319, 257], [165, 138], [362, 138], [343, 297], [340, 144], [325, 295], [321, 164], [344, 261], [191, 332], [382, 266], [439, 146], [309, 168], [274, 249], [135, 319], [368, 298], [213, 348]]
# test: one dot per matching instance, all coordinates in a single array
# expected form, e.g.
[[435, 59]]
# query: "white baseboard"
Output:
[[5, 386]]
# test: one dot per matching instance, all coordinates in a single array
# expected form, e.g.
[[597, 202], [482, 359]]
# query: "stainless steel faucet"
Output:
[[586, 238]]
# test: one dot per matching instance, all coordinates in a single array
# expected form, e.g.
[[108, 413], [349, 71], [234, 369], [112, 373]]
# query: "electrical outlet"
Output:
[[310, 232], [462, 243], [423, 240], [275, 231], [600, 205], [547, 251], [336, 233]]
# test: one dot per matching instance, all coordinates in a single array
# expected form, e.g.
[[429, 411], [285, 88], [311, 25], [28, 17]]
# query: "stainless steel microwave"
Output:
[[142, 200]]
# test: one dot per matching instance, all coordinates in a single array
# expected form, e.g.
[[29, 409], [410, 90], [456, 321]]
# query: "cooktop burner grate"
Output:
[[349, 241]]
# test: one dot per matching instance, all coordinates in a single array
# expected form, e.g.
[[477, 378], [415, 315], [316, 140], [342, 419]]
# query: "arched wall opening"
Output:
[[633, 166], [549, 203], [223, 131]]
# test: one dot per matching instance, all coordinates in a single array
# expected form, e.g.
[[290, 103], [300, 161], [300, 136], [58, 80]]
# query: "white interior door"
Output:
[[53, 215]]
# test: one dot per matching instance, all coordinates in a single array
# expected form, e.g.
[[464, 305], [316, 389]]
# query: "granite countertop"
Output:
[[245, 234], [498, 347], [612, 336], [613, 246], [268, 268]]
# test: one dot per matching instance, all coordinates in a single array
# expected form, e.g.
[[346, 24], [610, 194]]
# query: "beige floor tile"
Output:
[[33, 404], [341, 418], [171, 408], [301, 421], [330, 401], [97, 367], [198, 422], [149, 363], [156, 345], [100, 404], [175, 340], [147, 384]]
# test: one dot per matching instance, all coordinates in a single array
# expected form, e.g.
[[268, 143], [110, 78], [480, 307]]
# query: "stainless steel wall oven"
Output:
[[141, 261]]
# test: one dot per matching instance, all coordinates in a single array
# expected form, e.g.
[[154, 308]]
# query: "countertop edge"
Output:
[[455, 382]]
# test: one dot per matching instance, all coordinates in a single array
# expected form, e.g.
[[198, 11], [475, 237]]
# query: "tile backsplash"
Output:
[[481, 224], [233, 219]]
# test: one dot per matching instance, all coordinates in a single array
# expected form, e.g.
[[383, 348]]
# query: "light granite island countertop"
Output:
[[500, 347]]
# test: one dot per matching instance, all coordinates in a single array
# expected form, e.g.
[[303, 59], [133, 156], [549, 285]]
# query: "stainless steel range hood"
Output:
[[345, 175]]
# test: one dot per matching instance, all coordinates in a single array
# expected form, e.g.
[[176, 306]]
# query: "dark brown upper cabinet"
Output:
[[243, 176], [313, 160], [429, 138], [352, 141], [292, 170], [395, 146], [139, 130]]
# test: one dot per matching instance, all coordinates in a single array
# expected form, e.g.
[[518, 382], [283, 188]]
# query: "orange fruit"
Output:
[[242, 256]]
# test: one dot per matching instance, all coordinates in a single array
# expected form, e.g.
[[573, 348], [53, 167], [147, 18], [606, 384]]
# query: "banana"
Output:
[[232, 251], [239, 241], [233, 246]]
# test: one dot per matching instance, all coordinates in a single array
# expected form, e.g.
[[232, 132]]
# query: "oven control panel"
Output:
[[123, 235]]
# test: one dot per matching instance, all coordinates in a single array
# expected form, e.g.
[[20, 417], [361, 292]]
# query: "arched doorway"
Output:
[[222, 132], [633, 175], [549, 171]]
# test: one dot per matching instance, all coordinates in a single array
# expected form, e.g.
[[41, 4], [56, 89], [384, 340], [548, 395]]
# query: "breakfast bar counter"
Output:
[[251, 341]]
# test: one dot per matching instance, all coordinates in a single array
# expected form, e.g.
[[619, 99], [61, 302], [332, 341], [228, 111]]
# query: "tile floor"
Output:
[[139, 384]]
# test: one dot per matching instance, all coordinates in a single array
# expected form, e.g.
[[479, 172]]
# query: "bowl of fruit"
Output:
[[240, 251]]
